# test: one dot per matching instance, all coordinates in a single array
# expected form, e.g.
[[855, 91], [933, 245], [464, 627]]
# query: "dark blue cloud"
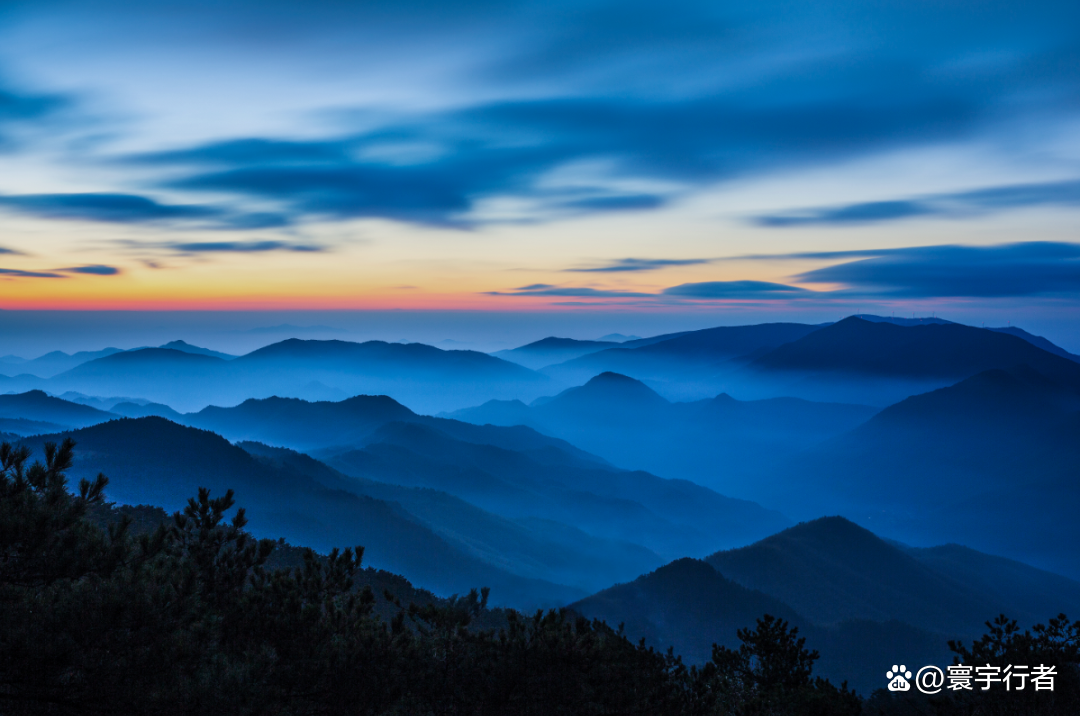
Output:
[[1011, 270], [20, 109], [122, 208], [1063, 193], [689, 95], [132, 209], [430, 195], [737, 290], [251, 152], [95, 270], [23, 107], [864, 213], [503, 149], [625, 265], [237, 247], [17, 273], [568, 291]]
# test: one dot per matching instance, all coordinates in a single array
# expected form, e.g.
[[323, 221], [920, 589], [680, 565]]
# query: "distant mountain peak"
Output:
[[185, 347], [610, 376], [613, 396]]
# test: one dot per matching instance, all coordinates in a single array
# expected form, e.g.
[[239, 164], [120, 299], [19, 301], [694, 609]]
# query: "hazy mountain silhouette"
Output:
[[515, 472], [129, 409], [155, 461], [690, 606], [552, 350], [534, 548], [420, 375], [669, 517], [713, 441], [36, 405], [52, 363], [301, 424], [880, 363], [989, 462], [609, 397], [188, 348], [678, 361], [858, 599], [1037, 341], [831, 570], [687, 604]]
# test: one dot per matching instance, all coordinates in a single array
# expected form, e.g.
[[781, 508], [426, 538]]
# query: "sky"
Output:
[[625, 166]]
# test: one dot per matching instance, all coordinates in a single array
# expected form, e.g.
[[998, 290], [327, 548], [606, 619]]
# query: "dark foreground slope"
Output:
[[154, 461], [192, 615]]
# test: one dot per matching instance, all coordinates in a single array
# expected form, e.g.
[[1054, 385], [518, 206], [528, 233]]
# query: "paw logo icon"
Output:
[[899, 678]]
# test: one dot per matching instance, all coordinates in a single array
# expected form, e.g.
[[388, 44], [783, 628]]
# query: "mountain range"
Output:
[[661, 476]]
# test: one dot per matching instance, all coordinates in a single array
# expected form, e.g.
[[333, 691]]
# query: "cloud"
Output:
[[956, 204], [737, 290], [429, 195], [1011, 270], [508, 149], [131, 209], [542, 289], [17, 273], [21, 109], [621, 265], [95, 270], [249, 152], [510, 94], [192, 248]]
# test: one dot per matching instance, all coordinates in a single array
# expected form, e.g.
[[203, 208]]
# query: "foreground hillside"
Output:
[[193, 616], [154, 461]]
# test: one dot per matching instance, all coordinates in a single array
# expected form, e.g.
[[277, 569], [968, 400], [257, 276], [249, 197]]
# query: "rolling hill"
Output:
[[37, 406]]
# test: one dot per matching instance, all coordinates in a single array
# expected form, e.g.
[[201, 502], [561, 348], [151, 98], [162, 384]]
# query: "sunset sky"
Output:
[[626, 165]]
